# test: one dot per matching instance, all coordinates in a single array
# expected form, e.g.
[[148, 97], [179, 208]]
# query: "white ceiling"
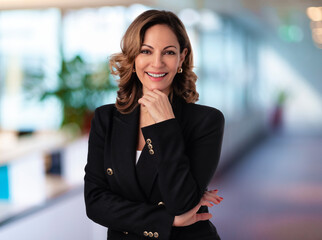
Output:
[[65, 4]]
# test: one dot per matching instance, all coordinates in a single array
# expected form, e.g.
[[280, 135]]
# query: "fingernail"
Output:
[[221, 198]]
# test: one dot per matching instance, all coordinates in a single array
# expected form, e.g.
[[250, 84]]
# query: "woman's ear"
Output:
[[183, 55]]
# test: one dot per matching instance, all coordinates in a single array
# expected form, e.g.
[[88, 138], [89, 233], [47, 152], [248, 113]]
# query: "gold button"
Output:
[[160, 203], [148, 141], [126, 233], [150, 234], [156, 234], [151, 151], [109, 171], [150, 146], [145, 233]]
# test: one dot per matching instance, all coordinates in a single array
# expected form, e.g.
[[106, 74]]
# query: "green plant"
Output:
[[81, 88]]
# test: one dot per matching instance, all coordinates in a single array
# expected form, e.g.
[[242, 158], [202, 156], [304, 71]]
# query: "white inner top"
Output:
[[138, 153]]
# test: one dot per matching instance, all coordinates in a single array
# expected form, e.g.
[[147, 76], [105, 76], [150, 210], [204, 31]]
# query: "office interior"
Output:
[[259, 62]]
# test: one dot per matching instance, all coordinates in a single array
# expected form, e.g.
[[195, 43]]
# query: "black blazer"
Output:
[[176, 165]]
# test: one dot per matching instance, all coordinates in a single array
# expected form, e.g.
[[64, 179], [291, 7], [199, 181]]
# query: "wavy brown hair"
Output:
[[122, 64]]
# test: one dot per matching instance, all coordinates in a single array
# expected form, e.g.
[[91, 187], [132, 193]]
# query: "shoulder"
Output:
[[205, 114], [105, 111], [201, 123], [102, 116], [199, 120], [105, 108]]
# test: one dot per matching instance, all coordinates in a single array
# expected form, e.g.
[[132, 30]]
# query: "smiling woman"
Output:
[[152, 154], [137, 42], [159, 60]]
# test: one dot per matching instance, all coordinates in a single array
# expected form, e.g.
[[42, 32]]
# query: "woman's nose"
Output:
[[157, 61]]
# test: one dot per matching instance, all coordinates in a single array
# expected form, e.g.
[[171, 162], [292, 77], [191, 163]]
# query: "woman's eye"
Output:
[[145, 51], [170, 53]]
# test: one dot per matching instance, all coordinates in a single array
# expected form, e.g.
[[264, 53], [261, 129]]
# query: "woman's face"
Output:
[[159, 59]]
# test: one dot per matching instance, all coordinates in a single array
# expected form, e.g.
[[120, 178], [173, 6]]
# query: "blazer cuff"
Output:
[[162, 227], [162, 132]]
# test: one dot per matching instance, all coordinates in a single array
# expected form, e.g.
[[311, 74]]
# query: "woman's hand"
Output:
[[211, 196], [158, 105], [191, 217]]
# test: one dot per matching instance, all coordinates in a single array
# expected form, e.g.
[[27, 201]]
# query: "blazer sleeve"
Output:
[[184, 172], [109, 209]]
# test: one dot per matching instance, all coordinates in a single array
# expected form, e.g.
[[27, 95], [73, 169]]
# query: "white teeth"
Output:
[[156, 75]]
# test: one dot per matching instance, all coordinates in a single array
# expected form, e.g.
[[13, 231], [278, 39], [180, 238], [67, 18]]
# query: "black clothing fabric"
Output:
[[136, 200]]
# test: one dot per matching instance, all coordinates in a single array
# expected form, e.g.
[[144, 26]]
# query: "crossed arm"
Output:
[[184, 171], [182, 200]]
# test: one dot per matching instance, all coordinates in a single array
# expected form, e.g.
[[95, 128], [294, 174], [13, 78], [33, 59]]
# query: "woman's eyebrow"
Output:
[[146, 45]]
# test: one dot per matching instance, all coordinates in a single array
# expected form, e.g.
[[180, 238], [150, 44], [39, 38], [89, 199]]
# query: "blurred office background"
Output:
[[259, 62]]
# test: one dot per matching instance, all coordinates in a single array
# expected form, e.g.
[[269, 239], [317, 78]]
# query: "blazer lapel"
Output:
[[123, 150]]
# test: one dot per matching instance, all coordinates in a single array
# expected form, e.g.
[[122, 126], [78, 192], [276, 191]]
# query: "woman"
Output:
[[152, 154]]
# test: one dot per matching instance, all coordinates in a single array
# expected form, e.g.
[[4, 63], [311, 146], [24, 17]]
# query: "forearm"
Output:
[[113, 211], [184, 172]]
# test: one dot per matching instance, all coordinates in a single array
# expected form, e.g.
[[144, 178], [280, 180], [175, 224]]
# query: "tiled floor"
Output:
[[274, 192]]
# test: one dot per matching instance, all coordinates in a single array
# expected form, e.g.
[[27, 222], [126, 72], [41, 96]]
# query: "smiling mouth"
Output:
[[155, 75]]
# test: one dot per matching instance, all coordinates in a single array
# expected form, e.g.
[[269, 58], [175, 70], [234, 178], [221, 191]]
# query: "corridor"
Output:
[[274, 191]]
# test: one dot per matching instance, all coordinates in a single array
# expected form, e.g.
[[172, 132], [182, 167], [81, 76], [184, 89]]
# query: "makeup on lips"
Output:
[[156, 76]]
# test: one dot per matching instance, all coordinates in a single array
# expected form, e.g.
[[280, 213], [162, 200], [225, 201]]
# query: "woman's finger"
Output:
[[210, 196], [203, 216], [205, 202], [158, 106], [149, 98], [211, 200], [144, 102], [152, 94], [191, 216]]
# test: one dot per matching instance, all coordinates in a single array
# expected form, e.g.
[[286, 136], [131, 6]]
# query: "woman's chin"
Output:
[[152, 88]]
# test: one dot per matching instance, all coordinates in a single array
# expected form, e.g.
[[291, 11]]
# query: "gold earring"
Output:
[[133, 70], [180, 70]]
